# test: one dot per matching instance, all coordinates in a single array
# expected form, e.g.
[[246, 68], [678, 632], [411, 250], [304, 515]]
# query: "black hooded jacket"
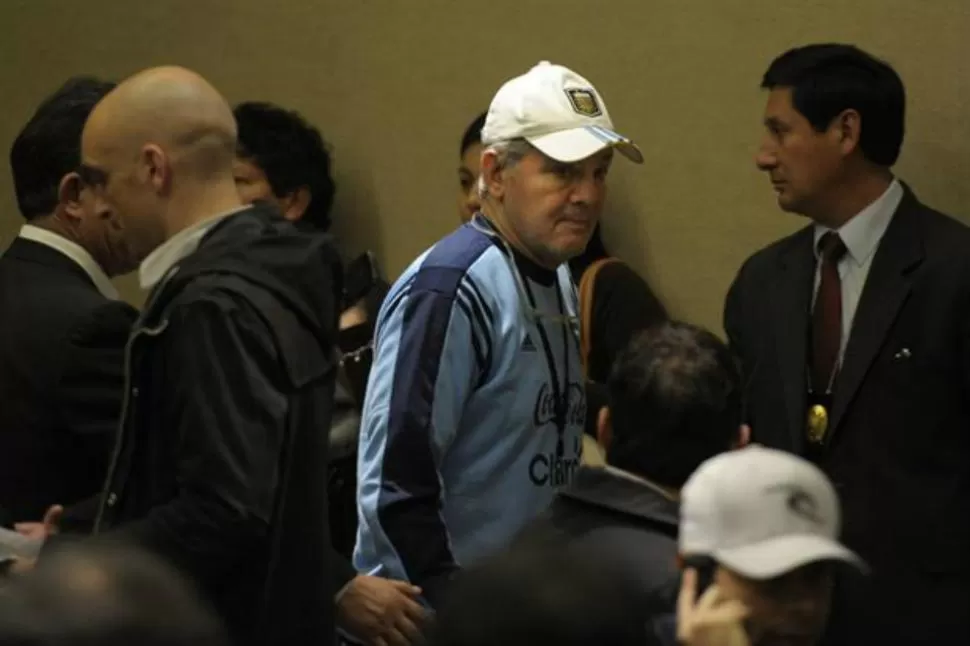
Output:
[[220, 462]]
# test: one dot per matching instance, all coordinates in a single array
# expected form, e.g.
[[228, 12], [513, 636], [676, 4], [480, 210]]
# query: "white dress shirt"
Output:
[[861, 236], [75, 252]]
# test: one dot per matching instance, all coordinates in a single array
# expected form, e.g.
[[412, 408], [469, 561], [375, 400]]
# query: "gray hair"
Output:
[[509, 153]]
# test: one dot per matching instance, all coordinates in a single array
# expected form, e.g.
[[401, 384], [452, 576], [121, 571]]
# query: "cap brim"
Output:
[[579, 143], [772, 558]]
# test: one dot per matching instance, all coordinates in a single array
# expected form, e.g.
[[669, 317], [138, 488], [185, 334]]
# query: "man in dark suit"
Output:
[[62, 327], [854, 335]]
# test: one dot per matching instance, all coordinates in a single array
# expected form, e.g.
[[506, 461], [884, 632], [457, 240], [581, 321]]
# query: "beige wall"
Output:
[[393, 82]]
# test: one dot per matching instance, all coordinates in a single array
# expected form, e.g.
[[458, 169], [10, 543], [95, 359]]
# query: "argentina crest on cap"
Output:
[[584, 101]]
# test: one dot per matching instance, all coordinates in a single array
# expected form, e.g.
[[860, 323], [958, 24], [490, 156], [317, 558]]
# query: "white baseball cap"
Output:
[[557, 111], [761, 513]]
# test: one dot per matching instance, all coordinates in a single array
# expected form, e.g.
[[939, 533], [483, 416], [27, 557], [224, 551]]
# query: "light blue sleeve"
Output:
[[432, 348]]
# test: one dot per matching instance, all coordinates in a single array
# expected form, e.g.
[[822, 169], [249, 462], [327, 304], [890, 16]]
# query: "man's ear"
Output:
[[295, 204], [744, 437], [849, 128], [158, 167], [69, 195], [604, 428], [492, 174]]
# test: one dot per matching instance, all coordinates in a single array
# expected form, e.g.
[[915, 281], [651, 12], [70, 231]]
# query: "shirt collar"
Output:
[[862, 233], [75, 252], [157, 265], [624, 492]]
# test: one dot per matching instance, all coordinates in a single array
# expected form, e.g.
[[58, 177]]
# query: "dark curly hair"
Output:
[[291, 153]]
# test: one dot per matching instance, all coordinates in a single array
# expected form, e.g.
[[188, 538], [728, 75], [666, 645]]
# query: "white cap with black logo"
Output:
[[557, 111], [762, 513]]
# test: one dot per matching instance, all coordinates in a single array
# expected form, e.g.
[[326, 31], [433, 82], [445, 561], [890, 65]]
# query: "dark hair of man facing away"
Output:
[[827, 79], [675, 400], [104, 594], [291, 153], [49, 146], [538, 597]]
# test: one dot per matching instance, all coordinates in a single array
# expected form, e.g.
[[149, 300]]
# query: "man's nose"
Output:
[[587, 189], [765, 157]]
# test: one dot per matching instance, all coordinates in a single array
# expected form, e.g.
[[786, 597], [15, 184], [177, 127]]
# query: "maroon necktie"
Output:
[[827, 315]]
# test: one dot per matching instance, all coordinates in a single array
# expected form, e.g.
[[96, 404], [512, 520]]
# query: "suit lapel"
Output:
[[885, 290], [791, 304]]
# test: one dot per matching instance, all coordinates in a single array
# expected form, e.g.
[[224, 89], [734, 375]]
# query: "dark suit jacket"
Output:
[[61, 347], [898, 446]]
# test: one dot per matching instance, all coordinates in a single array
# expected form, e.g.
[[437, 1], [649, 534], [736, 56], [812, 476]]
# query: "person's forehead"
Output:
[[471, 158], [599, 157], [803, 576], [472, 150], [100, 145], [606, 154], [92, 153], [95, 129], [779, 103], [89, 140]]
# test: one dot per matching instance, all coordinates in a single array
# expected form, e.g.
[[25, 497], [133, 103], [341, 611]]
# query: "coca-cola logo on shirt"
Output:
[[545, 406]]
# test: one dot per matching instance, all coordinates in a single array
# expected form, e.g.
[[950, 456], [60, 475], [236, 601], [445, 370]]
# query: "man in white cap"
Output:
[[760, 526], [474, 412]]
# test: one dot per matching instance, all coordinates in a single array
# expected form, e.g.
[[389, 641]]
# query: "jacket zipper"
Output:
[[119, 436]]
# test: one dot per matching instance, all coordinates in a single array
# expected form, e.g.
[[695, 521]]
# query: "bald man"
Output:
[[220, 465]]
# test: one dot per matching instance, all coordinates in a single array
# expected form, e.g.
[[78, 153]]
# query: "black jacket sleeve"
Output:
[[89, 396], [225, 399]]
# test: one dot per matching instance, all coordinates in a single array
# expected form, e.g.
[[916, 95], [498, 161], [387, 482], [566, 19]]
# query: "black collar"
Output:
[[533, 270], [526, 266], [604, 487]]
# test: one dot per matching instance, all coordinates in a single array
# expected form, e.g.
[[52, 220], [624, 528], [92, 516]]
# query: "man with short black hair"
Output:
[[62, 326], [854, 334], [675, 401], [281, 158]]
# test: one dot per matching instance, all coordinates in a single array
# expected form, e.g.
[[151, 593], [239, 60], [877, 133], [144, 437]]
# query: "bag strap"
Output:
[[586, 284]]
